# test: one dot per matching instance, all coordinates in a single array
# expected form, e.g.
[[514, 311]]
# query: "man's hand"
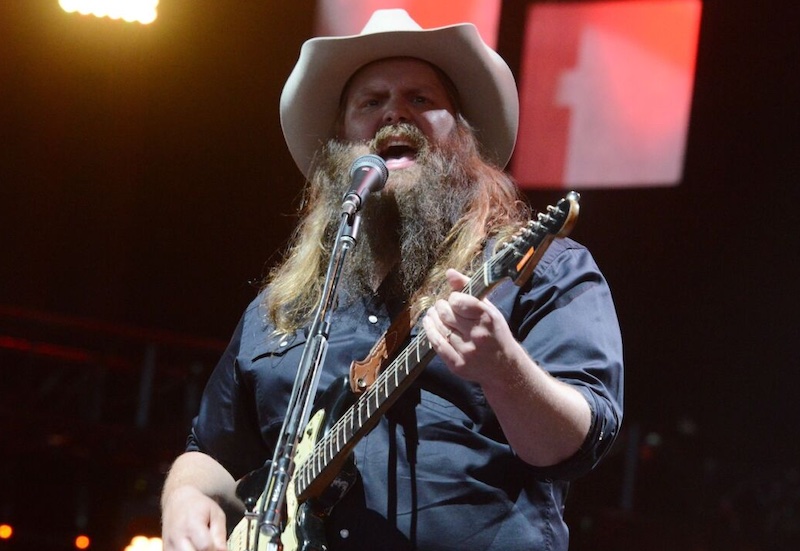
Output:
[[469, 334], [192, 521], [544, 419]]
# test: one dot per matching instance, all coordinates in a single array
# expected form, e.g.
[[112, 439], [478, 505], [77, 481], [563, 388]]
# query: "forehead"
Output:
[[400, 71]]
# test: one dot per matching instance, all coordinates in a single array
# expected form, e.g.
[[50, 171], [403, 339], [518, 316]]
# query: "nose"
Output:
[[396, 112]]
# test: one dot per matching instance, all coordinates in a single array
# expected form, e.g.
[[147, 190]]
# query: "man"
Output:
[[525, 392]]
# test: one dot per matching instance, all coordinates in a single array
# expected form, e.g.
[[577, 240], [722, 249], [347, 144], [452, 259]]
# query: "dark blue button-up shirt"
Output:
[[438, 473]]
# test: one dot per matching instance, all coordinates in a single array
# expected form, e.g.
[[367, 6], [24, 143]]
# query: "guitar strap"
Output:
[[403, 413]]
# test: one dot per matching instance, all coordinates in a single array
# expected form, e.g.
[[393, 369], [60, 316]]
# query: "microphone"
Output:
[[368, 174]]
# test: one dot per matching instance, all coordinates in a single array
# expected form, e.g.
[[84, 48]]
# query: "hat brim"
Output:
[[488, 95]]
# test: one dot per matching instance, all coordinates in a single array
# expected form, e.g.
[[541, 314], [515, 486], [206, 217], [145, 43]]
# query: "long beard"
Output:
[[404, 226]]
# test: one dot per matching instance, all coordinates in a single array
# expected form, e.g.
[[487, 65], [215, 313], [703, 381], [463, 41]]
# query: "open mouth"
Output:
[[398, 154], [400, 145], [398, 151]]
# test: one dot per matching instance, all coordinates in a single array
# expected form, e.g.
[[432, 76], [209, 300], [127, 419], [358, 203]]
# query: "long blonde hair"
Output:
[[496, 209]]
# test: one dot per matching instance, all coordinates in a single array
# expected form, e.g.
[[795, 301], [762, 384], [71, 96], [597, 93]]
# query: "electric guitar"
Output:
[[325, 468]]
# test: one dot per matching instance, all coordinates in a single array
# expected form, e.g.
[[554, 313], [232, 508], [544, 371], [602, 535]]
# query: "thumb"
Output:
[[456, 279]]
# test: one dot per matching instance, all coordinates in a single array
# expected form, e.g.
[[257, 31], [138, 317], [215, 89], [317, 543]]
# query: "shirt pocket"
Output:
[[270, 368], [276, 349]]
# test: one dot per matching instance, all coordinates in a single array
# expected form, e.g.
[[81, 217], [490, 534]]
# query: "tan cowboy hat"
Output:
[[488, 93]]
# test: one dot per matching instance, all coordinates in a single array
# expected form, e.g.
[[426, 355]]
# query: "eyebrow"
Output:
[[447, 84], [377, 90]]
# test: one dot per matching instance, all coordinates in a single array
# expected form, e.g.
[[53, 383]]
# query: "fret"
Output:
[[344, 425], [364, 407]]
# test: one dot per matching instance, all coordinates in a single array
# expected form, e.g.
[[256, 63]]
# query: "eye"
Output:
[[368, 102]]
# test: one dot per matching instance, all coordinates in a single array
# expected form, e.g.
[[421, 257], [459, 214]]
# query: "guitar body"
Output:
[[305, 529]]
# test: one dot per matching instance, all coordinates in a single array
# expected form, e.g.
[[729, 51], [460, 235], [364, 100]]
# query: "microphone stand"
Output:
[[305, 386]]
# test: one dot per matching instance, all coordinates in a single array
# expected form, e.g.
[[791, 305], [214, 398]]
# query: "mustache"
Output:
[[400, 135]]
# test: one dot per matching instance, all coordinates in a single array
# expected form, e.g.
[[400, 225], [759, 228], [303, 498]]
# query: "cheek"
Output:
[[441, 124], [357, 128]]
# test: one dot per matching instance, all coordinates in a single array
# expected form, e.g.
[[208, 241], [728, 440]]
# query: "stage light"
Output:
[[143, 543], [6, 531], [82, 542], [142, 11]]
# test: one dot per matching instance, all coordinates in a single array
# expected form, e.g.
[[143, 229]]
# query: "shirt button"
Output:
[[344, 533], [373, 318]]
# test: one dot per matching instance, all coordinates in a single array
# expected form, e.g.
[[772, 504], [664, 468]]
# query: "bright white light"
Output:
[[143, 11], [143, 543]]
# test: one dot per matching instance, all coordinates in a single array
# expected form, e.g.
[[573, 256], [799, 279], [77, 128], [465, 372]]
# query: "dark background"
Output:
[[144, 187]]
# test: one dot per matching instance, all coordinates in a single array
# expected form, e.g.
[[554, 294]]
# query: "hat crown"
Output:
[[383, 21]]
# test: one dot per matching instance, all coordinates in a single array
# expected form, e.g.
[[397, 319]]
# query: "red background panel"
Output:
[[605, 91]]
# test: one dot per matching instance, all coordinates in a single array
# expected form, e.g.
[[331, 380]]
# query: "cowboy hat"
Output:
[[488, 94]]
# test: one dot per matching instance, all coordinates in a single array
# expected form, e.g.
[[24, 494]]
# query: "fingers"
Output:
[[449, 320], [438, 333], [462, 317], [456, 279], [193, 522], [218, 528]]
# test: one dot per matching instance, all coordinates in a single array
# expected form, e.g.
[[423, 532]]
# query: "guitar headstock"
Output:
[[520, 255], [561, 218]]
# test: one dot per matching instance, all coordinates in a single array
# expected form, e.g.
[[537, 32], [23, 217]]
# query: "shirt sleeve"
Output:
[[566, 320], [226, 427]]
